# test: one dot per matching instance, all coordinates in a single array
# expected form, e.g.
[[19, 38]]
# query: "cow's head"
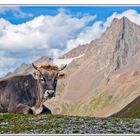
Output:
[[47, 77]]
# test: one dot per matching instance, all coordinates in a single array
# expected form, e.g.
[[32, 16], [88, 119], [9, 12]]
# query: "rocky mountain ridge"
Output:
[[27, 68], [105, 79]]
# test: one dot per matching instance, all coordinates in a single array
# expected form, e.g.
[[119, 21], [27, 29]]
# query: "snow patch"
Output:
[[65, 61]]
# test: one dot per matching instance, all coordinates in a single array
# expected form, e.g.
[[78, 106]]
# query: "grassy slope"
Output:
[[131, 110]]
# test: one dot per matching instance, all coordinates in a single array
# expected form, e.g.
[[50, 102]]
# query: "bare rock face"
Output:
[[76, 51], [106, 78], [126, 51]]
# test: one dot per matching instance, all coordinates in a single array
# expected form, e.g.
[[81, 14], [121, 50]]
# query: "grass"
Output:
[[87, 109], [11, 123], [132, 110]]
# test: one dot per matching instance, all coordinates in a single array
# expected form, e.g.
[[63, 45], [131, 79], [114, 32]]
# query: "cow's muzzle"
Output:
[[49, 93]]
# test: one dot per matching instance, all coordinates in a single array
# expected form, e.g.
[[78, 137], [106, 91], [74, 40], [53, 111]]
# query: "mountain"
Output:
[[27, 68], [81, 49], [107, 78], [131, 110], [102, 77]]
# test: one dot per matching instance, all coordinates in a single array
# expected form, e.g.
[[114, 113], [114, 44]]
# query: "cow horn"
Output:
[[34, 66], [62, 67]]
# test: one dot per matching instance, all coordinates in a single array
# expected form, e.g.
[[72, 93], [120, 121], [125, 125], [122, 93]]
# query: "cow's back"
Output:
[[17, 90], [3, 84], [4, 99]]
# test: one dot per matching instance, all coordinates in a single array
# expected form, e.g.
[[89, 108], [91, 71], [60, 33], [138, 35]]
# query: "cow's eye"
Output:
[[42, 79]]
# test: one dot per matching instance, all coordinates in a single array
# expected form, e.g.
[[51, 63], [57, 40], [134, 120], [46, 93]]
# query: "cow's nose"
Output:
[[50, 93]]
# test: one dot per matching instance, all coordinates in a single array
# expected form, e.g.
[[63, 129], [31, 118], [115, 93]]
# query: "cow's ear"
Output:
[[35, 75], [61, 75]]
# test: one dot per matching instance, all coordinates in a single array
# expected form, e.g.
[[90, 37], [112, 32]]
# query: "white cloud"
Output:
[[44, 35], [16, 12], [93, 32], [131, 14], [50, 35], [87, 35], [49, 32]]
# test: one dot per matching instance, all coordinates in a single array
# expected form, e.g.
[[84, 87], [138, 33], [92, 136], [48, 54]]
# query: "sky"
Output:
[[29, 32]]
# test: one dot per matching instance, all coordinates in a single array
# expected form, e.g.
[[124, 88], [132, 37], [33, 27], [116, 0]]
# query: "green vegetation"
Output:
[[76, 130], [132, 110], [11, 123], [88, 108], [101, 101]]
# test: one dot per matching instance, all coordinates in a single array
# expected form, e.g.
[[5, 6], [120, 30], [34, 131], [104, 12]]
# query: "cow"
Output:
[[25, 94]]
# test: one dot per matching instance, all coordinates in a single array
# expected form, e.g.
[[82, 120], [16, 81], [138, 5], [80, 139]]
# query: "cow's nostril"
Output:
[[50, 92]]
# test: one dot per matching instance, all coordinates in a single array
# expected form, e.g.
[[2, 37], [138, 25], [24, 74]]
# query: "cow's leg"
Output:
[[2, 109], [37, 109], [46, 110], [23, 109]]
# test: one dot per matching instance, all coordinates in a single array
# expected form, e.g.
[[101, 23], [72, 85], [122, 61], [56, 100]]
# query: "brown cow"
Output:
[[25, 94]]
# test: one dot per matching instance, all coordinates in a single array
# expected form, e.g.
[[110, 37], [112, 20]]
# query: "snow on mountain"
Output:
[[65, 61]]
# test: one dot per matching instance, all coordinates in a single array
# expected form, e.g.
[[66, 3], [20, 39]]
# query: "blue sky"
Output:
[[102, 12], [29, 32]]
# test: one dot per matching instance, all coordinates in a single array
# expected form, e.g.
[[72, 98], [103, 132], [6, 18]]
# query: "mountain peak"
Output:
[[127, 44], [122, 21], [125, 22], [124, 18]]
